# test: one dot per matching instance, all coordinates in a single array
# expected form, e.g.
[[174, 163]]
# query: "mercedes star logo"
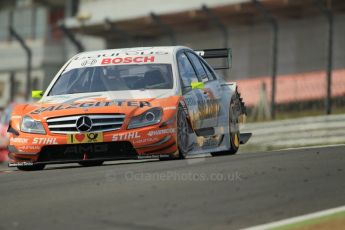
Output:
[[84, 124]]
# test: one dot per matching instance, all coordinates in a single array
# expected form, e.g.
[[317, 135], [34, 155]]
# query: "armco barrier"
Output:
[[308, 131]]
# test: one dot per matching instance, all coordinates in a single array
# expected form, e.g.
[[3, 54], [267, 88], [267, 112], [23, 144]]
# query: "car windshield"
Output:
[[114, 78]]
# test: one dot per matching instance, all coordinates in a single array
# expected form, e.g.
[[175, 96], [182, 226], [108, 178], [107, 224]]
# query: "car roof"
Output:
[[130, 51]]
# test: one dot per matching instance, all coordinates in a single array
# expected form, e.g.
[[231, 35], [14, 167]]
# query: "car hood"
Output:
[[132, 103], [110, 95]]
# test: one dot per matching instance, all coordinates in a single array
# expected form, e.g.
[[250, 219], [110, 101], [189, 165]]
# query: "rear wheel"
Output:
[[91, 163], [31, 167], [234, 131]]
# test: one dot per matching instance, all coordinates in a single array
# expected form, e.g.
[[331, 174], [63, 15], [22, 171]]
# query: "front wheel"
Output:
[[182, 136], [182, 133]]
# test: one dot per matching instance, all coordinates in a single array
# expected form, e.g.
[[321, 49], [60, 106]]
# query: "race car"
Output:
[[133, 103]]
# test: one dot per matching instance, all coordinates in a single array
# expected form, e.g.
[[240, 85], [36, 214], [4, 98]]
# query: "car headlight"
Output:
[[150, 117], [30, 125]]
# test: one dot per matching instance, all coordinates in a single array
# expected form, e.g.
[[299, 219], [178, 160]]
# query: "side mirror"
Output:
[[198, 85], [37, 94]]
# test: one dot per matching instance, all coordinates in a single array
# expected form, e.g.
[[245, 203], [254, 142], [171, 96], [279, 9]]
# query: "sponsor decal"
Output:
[[80, 138], [145, 140], [99, 148], [170, 108], [208, 105], [89, 62], [211, 142], [160, 132], [202, 106], [19, 140], [153, 156], [29, 147], [143, 157], [125, 136], [92, 105], [119, 60], [11, 164], [126, 52], [44, 141]]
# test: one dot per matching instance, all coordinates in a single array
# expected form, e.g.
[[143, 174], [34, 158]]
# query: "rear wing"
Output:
[[217, 54]]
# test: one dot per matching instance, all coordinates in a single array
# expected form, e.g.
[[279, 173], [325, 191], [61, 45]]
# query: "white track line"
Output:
[[311, 147], [298, 219]]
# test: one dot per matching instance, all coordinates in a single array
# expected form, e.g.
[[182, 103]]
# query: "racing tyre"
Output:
[[31, 168], [233, 129], [182, 136], [91, 163], [182, 133]]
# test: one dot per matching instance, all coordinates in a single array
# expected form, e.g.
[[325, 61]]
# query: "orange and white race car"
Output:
[[148, 102]]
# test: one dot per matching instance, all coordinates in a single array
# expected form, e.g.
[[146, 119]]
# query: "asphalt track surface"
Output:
[[227, 192]]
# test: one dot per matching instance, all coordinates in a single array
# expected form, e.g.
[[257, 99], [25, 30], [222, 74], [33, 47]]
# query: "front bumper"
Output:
[[147, 142]]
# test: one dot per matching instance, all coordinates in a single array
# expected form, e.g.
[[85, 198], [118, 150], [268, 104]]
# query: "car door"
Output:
[[211, 91], [193, 97]]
